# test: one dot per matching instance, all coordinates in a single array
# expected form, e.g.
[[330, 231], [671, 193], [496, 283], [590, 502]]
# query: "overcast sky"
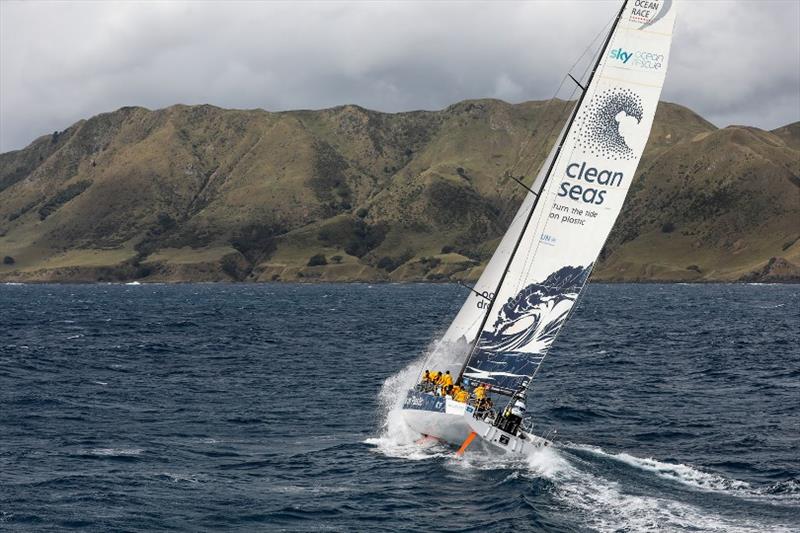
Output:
[[734, 62]]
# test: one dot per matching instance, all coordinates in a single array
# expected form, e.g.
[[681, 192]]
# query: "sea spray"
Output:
[[396, 438]]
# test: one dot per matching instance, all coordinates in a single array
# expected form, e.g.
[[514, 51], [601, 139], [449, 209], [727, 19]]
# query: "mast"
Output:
[[538, 195]]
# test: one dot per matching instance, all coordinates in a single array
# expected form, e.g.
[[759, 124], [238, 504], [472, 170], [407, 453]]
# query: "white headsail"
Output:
[[548, 253]]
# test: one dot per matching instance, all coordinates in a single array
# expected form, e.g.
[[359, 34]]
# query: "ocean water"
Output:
[[271, 407]]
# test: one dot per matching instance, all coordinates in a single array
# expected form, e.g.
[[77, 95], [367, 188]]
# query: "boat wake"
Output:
[[604, 504], [579, 477], [696, 478]]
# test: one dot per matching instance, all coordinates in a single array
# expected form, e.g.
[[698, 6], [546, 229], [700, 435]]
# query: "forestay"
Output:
[[544, 260]]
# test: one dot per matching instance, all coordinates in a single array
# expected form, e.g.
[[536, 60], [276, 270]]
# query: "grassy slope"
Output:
[[202, 193]]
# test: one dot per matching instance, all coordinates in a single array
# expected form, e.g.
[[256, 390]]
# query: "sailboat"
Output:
[[519, 305]]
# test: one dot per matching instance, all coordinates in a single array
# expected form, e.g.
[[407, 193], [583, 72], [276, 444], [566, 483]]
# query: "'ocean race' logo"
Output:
[[647, 12], [638, 58]]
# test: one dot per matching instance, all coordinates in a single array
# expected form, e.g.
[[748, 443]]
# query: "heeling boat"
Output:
[[503, 332]]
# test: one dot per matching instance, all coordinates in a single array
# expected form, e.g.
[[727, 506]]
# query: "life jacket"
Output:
[[447, 379], [480, 392]]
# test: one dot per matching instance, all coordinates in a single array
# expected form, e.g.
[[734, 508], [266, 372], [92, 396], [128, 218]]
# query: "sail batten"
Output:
[[542, 265]]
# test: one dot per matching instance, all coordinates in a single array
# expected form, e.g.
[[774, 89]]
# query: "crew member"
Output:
[[447, 380], [461, 396], [456, 390], [480, 393], [513, 416]]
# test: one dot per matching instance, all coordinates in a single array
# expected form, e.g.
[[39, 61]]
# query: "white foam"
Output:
[[605, 506], [115, 452], [680, 473], [697, 479], [177, 477], [396, 439]]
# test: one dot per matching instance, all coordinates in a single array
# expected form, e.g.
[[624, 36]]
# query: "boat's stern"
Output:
[[496, 439]]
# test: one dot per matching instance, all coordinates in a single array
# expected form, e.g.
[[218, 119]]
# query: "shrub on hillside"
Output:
[[387, 263], [8, 260], [317, 260]]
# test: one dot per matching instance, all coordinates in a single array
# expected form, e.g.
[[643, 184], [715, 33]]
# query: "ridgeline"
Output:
[[199, 193]]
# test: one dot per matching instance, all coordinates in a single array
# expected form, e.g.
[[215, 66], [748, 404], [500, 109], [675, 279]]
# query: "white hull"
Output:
[[451, 426], [453, 422]]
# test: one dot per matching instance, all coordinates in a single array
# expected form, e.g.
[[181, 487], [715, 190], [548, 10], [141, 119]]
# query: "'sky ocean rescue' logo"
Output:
[[639, 58]]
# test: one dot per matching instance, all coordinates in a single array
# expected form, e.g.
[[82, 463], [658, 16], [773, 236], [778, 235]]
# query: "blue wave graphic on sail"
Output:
[[526, 326]]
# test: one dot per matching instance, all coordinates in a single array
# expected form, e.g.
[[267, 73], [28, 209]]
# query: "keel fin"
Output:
[[466, 443]]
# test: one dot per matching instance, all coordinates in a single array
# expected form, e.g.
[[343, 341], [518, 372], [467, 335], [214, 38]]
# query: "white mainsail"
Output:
[[545, 258], [465, 327]]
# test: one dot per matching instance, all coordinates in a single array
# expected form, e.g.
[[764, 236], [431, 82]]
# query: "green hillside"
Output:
[[199, 193]]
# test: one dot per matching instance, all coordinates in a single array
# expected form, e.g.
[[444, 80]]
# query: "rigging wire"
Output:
[[542, 141], [554, 161]]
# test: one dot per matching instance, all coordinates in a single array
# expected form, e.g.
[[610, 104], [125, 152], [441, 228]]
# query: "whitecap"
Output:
[[178, 477], [115, 452]]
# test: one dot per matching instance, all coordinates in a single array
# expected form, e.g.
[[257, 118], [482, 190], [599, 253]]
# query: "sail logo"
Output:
[[590, 194], [648, 12], [639, 58], [511, 350], [606, 121], [620, 54]]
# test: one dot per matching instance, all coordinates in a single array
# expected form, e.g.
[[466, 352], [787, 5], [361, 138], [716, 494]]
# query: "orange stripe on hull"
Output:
[[466, 443]]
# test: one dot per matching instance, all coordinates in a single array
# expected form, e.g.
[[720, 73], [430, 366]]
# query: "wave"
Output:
[[114, 452], [183, 478], [698, 479]]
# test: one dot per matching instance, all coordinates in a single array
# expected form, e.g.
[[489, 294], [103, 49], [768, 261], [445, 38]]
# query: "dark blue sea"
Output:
[[269, 408]]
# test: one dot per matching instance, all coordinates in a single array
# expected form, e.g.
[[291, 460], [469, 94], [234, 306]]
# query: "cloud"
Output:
[[733, 62]]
